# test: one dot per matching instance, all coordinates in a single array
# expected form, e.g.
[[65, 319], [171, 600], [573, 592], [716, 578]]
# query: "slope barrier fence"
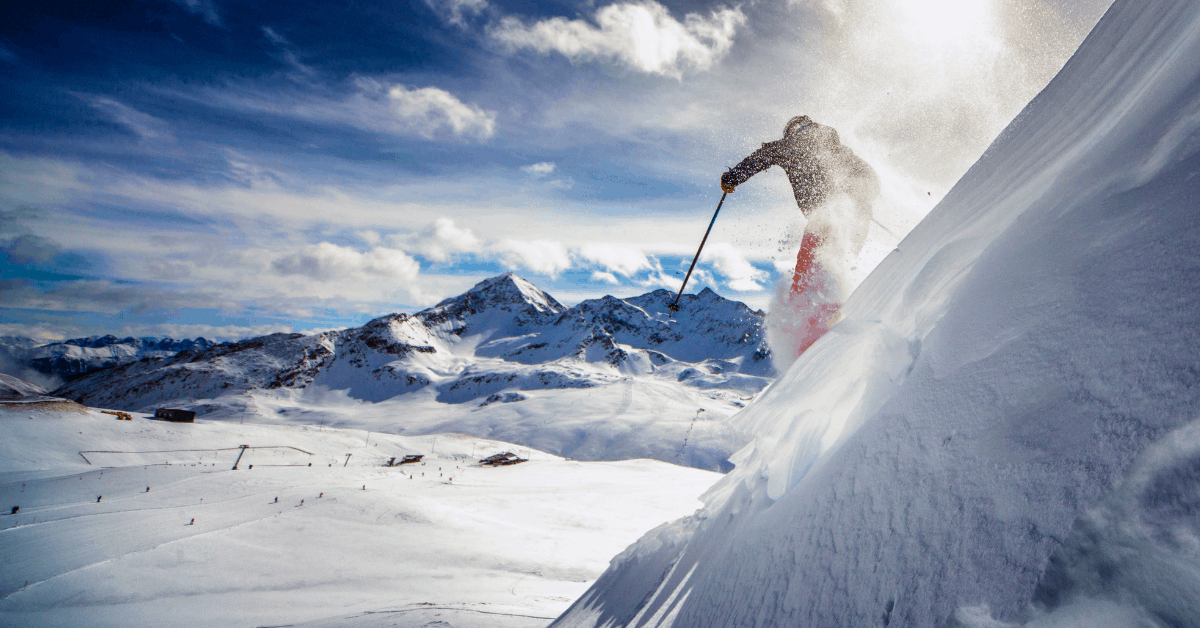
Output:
[[173, 451]]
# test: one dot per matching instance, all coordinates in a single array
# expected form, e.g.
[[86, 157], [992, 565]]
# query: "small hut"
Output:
[[175, 416], [409, 459], [500, 460]]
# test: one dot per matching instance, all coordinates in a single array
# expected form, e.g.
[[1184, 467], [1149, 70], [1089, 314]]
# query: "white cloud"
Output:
[[617, 258], [739, 273], [642, 35], [390, 263], [41, 332], [105, 297], [428, 110], [287, 53], [453, 11], [203, 8], [540, 256], [444, 239], [606, 278], [327, 261], [369, 236], [659, 279], [243, 170], [539, 169], [146, 126]]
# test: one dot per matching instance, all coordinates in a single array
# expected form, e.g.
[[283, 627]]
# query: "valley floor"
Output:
[[346, 544]]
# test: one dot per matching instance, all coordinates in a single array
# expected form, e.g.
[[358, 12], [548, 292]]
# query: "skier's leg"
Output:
[[814, 314], [805, 278]]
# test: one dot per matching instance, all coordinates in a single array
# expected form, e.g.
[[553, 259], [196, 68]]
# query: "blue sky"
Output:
[[200, 167]]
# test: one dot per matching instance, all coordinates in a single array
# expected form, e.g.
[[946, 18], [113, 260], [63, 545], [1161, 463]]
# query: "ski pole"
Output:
[[674, 306]]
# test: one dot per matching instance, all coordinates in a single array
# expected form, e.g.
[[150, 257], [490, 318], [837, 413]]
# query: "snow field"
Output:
[[511, 546], [637, 417]]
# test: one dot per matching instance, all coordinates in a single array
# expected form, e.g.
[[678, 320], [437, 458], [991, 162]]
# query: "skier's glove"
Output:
[[727, 183]]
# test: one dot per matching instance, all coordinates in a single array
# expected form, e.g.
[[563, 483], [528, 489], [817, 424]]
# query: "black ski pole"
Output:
[[674, 306]]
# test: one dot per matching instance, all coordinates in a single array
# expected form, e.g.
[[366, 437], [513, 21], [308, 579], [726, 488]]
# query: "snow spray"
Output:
[[807, 301]]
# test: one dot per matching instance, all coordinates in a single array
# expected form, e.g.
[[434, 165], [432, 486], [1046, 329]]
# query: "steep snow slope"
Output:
[[607, 379], [1003, 428], [177, 538]]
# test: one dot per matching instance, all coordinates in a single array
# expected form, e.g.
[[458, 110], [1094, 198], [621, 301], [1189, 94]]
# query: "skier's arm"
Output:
[[758, 161]]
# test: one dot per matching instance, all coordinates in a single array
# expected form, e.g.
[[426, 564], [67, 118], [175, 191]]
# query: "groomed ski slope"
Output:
[[1003, 430], [469, 546]]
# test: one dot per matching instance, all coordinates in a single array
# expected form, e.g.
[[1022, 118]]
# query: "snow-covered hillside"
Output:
[[143, 523], [607, 379], [1003, 430]]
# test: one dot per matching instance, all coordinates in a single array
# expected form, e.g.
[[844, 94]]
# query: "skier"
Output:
[[818, 167]]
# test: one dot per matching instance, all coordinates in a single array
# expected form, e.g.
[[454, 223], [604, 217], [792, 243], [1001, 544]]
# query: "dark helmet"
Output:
[[797, 124]]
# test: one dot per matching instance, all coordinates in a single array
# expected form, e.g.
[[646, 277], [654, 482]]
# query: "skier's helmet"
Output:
[[796, 125]]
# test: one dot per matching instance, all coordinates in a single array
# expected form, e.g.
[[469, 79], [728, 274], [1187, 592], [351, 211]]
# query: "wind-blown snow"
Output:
[[1003, 427]]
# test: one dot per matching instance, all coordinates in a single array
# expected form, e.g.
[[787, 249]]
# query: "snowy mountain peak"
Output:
[[501, 304], [506, 289], [144, 343]]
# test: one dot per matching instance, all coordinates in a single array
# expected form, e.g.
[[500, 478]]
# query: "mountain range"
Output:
[[453, 366], [69, 359]]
